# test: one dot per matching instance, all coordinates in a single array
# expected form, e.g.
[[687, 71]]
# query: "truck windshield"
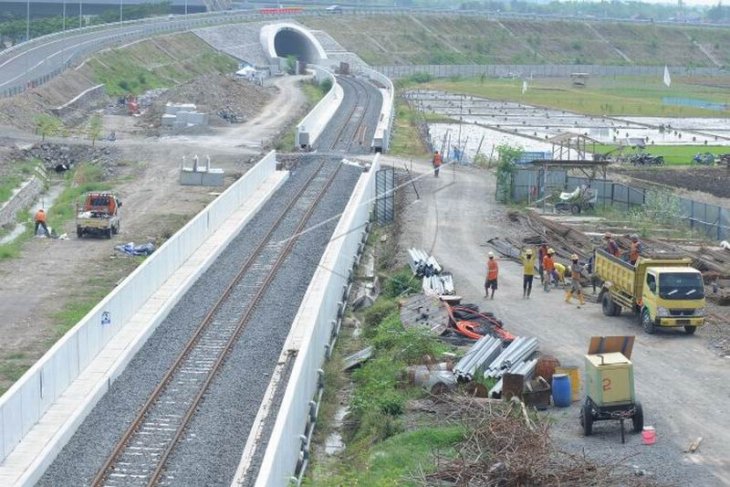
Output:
[[681, 286]]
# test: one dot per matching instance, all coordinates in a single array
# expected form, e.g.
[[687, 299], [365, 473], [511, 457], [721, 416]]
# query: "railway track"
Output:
[[140, 456], [351, 134]]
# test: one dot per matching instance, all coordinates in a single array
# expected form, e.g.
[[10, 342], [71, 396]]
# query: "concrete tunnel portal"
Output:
[[283, 40]]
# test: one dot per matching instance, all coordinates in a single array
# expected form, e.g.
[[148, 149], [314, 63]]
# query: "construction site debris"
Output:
[[357, 358], [422, 264], [438, 285], [61, 157], [136, 250], [693, 446], [437, 381], [517, 353], [422, 311]]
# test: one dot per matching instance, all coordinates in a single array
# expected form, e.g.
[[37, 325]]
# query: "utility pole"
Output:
[[121, 10], [81, 15], [27, 20]]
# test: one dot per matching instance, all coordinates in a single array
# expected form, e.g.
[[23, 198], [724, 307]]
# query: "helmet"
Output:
[[490, 254], [528, 252], [607, 235], [574, 257], [551, 251], [634, 236]]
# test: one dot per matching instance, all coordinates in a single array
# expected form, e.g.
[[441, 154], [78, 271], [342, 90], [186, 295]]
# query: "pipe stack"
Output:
[[517, 352], [482, 352], [422, 264], [438, 285]]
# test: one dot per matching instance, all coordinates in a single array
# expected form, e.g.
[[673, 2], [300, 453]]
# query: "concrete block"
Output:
[[190, 178], [213, 177], [168, 120]]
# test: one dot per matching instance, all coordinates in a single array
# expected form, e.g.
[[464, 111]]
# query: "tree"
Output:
[[93, 130], [291, 64], [47, 125]]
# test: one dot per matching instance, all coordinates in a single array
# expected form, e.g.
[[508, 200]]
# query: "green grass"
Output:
[[674, 155], [393, 461], [18, 173], [622, 96], [157, 63], [405, 140]]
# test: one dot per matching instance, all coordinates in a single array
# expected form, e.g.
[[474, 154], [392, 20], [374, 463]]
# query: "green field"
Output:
[[641, 97], [674, 155]]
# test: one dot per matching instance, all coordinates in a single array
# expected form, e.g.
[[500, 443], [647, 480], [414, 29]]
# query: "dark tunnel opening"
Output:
[[292, 43]]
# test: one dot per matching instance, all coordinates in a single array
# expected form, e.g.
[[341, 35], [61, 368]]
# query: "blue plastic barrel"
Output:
[[561, 390]]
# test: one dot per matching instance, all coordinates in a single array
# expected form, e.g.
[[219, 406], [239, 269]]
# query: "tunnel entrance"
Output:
[[292, 43]]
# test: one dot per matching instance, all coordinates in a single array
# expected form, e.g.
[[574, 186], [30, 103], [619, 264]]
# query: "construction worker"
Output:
[[636, 249], [40, 221], [575, 285], [437, 161], [528, 273], [548, 267], [492, 275], [541, 253], [560, 271], [611, 245]]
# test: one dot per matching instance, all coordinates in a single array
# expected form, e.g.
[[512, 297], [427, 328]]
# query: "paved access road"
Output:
[[681, 383]]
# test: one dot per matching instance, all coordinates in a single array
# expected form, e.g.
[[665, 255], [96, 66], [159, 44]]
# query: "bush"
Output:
[[400, 283], [325, 86], [378, 312], [420, 77]]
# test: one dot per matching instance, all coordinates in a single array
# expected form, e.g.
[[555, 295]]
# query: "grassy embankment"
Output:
[[314, 93], [674, 155], [384, 444]]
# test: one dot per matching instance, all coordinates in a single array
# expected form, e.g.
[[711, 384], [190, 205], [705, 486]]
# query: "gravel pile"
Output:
[[225, 99], [216, 437], [604, 445]]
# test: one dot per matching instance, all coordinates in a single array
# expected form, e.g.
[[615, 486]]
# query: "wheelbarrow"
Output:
[[610, 385]]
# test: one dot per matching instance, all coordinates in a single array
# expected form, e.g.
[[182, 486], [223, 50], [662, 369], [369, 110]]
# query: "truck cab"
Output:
[[98, 215], [673, 296]]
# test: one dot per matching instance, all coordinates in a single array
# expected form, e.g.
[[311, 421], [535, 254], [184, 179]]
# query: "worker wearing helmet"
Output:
[[40, 221], [492, 275], [528, 272], [437, 161], [636, 249], [575, 286], [548, 267], [611, 245]]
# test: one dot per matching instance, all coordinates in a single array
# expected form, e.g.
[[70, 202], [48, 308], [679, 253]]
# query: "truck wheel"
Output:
[[79, 232], [575, 209], [646, 322], [115, 230], [638, 418], [586, 419], [616, 309], [690, 330], [607, 305]]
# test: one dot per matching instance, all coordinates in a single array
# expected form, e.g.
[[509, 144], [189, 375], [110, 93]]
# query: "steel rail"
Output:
[[335, 142], [361, 126], [124, 441]]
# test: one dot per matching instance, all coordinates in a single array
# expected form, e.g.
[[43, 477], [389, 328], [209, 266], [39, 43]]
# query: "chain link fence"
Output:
[[530, 185]]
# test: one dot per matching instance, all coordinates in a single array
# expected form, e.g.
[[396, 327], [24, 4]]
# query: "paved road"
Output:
[[681, 383]]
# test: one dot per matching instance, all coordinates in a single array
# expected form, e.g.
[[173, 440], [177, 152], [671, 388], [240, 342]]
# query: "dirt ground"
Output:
[[51, 275], [713, 180], [680, 379]]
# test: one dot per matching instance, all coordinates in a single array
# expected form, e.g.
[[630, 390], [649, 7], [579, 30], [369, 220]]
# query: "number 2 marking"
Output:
[[606, 384]]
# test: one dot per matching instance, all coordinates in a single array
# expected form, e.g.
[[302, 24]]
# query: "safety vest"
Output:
[[437, 160], [528, 266], [40, 217], [548, 264], [492, 270]]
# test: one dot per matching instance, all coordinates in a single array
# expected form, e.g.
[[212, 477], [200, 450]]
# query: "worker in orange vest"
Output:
[[492, 274], [40, 221], [437, 160], [635, 249], [548, 267]]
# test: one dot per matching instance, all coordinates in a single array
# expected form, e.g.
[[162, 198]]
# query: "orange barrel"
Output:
[[573, 374], [545, 367]]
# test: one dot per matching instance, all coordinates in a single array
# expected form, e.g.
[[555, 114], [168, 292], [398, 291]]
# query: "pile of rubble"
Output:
[[227, 100], [62, 157]]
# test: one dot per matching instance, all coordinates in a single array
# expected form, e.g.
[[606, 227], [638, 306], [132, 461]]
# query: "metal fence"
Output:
[[540, 70], [529, 185]]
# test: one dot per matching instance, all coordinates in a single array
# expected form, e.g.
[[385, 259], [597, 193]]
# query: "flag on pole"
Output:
[[524, 87], [667, 79]]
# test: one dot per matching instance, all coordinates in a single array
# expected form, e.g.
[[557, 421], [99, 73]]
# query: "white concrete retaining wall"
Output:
[[28, 399], [310, 128], [311, 333], [381, 138], [22, 198]]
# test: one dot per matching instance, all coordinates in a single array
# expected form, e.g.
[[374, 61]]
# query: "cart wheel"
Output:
[[79, 232], [690, 330], [607, 305], [575, 209], [646, 322], [638, 418], [586, 419]]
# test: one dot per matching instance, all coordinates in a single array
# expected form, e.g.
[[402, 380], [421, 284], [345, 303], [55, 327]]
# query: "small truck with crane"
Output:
[[98, 215], [663, 292]]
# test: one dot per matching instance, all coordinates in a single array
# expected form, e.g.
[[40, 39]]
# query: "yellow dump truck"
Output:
[[663, 292]]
